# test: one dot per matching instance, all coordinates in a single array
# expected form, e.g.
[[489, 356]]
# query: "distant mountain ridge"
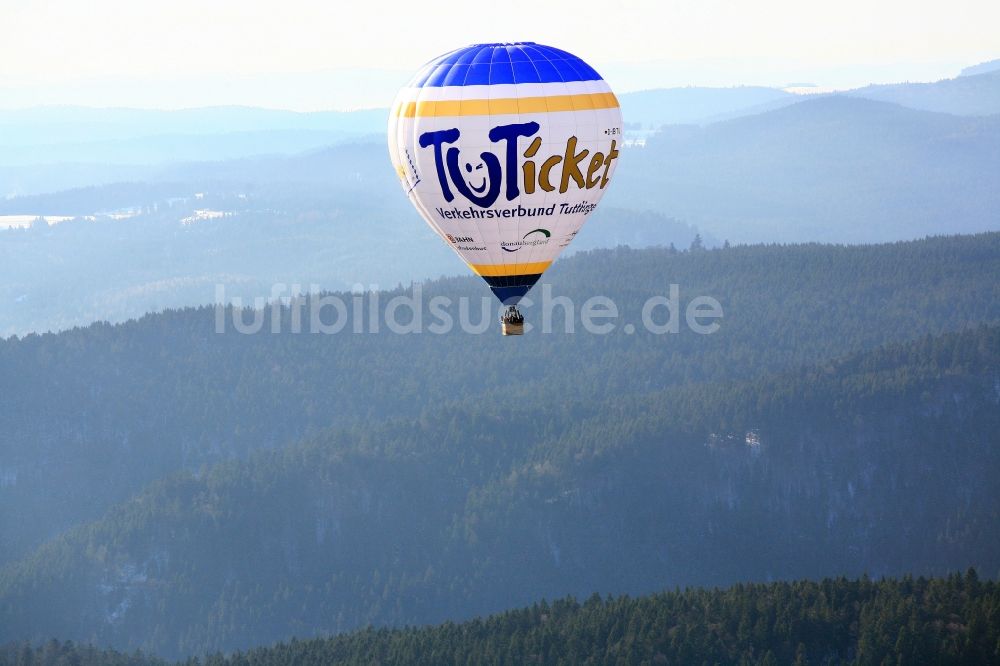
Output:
[[50, 135], [971, 94], [71, 124], [177, 148], [981, 68], [827, 169]]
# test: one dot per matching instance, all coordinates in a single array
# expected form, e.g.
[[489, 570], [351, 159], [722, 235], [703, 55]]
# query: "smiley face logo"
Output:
[[479, 182], [478, 170]]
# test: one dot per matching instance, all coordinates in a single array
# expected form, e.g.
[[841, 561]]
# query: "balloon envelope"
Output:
[[505, 150]]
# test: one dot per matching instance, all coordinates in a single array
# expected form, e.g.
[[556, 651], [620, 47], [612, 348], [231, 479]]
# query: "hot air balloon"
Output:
[[505, 150]]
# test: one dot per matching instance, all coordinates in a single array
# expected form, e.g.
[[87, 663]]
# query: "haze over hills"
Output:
[[974, 93], [136, 137], [967, 95], [53, 135], [64, 124], [652, 109], [821, 169], [835, 169], [171, 255]]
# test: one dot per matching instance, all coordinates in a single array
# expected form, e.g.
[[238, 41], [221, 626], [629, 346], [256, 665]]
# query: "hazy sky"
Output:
[[186, 52]]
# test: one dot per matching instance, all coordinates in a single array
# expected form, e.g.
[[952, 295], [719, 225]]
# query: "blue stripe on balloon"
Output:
[[492, 64]]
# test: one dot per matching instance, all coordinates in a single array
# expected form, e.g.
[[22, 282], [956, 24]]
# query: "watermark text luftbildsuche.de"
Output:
[[290, 309]]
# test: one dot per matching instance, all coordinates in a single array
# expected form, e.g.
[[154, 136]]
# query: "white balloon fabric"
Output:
[[505, 150]]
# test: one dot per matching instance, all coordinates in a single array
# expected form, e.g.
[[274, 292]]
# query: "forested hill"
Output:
[[92, 415], [835, 621], [882, 462]]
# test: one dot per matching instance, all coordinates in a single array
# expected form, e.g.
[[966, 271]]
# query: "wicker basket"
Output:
[[512, 328]]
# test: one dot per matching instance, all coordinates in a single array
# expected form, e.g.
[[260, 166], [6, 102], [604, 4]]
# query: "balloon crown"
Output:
[[506, 63]]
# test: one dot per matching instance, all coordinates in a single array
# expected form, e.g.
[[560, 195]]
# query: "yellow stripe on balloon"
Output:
[[502, 270], [507, 105]]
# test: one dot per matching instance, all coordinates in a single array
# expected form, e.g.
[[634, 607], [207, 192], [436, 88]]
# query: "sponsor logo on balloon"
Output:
[[541, 238], [459, 239], [480, 179]]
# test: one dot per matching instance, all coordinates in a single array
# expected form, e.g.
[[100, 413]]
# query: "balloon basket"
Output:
[[512, 321], [512, 328]]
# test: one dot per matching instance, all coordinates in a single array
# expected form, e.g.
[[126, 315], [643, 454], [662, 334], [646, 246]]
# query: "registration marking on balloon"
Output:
[[505, 150]]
